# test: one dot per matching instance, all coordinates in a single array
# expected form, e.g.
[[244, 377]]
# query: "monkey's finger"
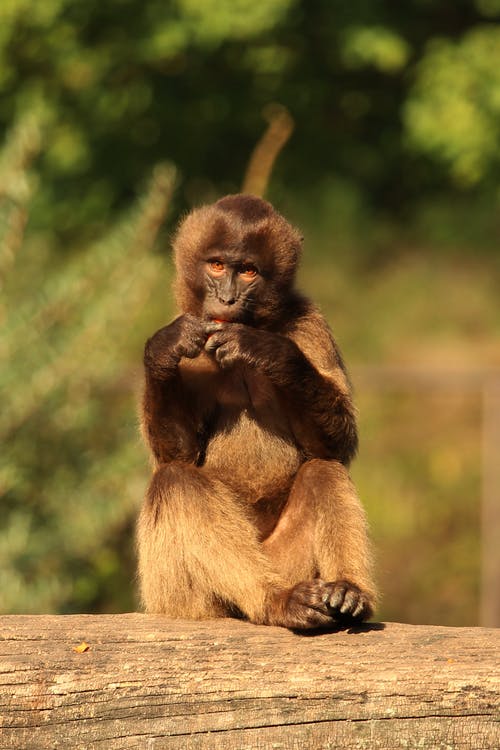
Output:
[[211, 347], [316, 618], [337, 598], [217, 339], [225, 357], [350, 603], [192, 348], [213, 342], [199, 338], [361, 609], [192, 352], [213, 327]]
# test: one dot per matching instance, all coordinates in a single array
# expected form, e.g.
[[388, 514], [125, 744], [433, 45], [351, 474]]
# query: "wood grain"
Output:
[[152, 683]]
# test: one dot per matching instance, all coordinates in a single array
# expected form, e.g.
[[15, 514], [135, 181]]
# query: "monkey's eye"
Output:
[[216, 267], [248, 271]]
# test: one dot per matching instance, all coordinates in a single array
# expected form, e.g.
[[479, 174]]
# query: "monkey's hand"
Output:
[[231, 343], [184, 337]]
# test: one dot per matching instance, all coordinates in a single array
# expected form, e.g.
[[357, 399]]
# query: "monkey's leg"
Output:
[[322, 532], [198, 552]]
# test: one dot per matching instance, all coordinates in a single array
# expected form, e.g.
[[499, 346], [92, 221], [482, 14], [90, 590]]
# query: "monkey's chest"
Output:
[[251, 446]]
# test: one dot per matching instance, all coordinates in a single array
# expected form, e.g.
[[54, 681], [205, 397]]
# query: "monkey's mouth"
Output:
[[237, 314], [225, 318]]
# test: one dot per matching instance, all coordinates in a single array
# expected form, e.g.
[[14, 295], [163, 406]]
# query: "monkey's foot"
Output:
[[346, 601], [317, 603]]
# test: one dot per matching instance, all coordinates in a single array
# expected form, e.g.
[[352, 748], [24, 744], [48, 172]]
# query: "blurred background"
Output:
[[116, 117]]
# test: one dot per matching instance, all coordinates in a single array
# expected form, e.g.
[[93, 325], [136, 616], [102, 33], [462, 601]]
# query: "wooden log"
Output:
[[153, 683]]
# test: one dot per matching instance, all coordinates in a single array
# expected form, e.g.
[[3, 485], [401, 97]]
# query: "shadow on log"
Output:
[[152, 683]]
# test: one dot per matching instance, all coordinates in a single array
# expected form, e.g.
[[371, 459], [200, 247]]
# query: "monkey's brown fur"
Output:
[[250, 511]]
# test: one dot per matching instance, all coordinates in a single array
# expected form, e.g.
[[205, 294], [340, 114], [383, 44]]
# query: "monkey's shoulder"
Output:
[[310, 331]]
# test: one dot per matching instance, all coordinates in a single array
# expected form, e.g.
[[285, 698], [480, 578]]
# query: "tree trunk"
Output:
[[153, 683]]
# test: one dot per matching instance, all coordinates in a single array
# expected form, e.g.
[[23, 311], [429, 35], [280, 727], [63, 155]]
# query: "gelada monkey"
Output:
[[248, 413]]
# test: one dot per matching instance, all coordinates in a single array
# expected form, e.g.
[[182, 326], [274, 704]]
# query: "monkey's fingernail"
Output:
[[350, 602], [359, 609], [212, 345], [336, 599]]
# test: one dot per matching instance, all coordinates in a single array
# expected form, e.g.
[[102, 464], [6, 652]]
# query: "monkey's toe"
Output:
[[346, 601]]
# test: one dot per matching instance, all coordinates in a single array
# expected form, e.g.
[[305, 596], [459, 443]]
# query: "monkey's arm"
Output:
[[308, 371], [331, 410], [169, 424]]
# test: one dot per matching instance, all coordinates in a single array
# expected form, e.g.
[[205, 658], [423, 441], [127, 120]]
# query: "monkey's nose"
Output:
[[228, 300]]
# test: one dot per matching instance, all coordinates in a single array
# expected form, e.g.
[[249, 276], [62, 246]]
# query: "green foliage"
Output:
[[489, 8], [213, 20], [71, 467], [377, 46], [454, 112], [124, 84]]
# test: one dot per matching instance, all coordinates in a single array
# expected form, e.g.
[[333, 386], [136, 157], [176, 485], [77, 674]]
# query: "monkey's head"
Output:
[[236, 261]]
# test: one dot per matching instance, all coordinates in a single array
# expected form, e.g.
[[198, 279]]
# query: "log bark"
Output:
[[152, 683]]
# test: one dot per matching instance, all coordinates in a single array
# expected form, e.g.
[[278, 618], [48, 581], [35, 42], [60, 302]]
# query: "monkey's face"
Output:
[[236, 261], [232, 285]]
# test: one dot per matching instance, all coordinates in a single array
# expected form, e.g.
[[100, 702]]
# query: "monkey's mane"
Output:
[[235, 221]]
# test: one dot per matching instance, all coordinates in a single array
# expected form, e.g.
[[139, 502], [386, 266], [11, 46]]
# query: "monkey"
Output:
[[248, 413]]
